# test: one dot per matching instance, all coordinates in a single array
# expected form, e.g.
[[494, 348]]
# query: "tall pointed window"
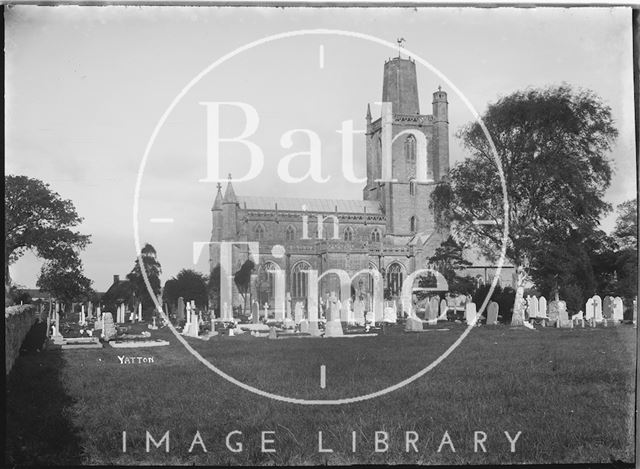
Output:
[[410, 149], [348, 234], [413, 224], [395, 277], [290, 233], [412, 187], [375, 235], [299, 279], [260, 232]]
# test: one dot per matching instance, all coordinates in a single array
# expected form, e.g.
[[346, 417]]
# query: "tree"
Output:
[[153, 270], [626, 230], [448, 259], [188, 284], [552, 145], [64, 280], [242, 279], [626, 258], [38, 219]]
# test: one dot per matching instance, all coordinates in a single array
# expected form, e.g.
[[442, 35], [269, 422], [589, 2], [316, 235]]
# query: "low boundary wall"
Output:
[[18, 320]]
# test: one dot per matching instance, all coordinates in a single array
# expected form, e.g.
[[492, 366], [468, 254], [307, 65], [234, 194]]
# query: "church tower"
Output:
[[419, 151]]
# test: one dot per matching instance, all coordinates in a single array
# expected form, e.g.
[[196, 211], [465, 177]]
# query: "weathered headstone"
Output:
[[272, 333], [358, 312], [413, 324], [563, 317], [589, 309], [443, 309], [597, 303], [618, 309], [517, 319], [607, 307], [553, 313], [492, 313], [470, 312], [304, 326], [542, 307], [298, 313], [434, 304], [288, 306], [180, 311], [109, 329], [255, 312]]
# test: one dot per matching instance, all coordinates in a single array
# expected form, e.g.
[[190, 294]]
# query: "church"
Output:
[[391, 229]]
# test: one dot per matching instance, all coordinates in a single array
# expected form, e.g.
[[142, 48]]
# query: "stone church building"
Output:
[[390, 230]]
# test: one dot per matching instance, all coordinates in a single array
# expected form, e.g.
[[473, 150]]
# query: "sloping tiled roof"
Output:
[[312, 205]]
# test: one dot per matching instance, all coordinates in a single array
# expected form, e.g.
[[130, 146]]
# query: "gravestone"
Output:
[[255, 312], [358, 312], [304, 326], [333, 327], [288, 307], [470, 312], [492, 313], [529, 310], [563, 317], [597, 303], [109, 328], [443, 309], [427, 310], [553, 313], [618, 309], [535, 307], [272, 333], [607, 307], [519, 305], [298, 312], [389, 315], [434, 305], [589, 309], [413, 324], [578, 317], [180, 312], [542, 307]]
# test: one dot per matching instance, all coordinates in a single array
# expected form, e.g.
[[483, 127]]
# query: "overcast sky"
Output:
[[85, 88]]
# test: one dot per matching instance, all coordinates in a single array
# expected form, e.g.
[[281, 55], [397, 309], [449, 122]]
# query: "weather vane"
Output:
[[400, 41]]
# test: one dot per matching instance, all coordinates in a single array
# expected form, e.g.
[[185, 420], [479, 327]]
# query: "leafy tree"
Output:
[[448, 259], [188, 284], [552, 145], [626, 230], [64, 280], [38, 219], [626, 259], [242, 279], [153, 270]]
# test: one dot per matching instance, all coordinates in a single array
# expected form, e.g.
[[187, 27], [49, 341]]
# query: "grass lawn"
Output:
[[570, 393]]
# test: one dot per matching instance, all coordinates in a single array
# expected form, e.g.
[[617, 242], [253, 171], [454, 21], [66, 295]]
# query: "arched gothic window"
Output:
[[413, 224], [412, 187], [290, 233], [260, 232], [410, 149], [348, 234], [375, 235], [395, 277], [299, 279], [266, 282]]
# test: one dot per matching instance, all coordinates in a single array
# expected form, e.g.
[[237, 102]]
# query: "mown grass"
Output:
[[570, 393]]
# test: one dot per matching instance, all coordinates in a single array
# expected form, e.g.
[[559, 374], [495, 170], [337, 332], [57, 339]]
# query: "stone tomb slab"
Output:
[[138, 343]]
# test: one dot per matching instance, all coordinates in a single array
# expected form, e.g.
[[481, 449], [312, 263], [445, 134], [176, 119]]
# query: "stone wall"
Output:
[[18, 322]]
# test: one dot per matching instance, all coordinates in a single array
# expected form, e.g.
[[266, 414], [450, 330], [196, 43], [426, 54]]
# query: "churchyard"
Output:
[[566, 383]]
